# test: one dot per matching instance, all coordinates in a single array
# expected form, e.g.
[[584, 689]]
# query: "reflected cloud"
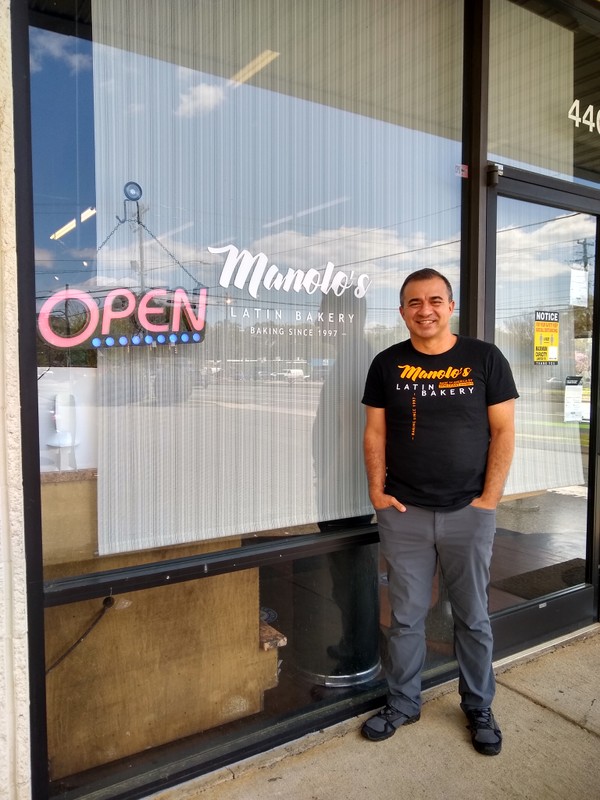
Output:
[[550, 244], [47, 45], [44, 258], [199, 99]]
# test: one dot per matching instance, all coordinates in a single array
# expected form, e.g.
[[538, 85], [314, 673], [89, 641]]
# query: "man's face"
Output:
[[427, 310]]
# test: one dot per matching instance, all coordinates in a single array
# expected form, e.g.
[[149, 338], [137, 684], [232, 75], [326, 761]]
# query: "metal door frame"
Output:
[[541, 619]]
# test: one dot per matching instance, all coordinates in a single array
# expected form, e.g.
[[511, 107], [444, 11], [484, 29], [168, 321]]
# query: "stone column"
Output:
[[14, 683]]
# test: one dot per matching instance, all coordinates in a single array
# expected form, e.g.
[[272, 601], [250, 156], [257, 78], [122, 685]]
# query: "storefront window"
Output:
[[219, 258], [228, 197]]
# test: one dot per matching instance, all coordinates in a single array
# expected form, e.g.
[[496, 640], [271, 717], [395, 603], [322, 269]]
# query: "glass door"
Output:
[[544, 322]]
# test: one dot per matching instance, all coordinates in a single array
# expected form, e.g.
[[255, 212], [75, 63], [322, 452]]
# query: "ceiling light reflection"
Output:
[[89, 212], [258, 63], [64, 230]]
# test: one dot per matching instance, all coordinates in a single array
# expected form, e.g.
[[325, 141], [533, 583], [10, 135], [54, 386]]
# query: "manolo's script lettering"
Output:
[[418, 373], [243, 268]]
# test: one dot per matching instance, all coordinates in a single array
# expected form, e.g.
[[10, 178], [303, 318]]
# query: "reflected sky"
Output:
[[538, 250]]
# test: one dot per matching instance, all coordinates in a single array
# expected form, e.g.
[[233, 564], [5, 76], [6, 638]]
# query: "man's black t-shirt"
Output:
[[436, 418]]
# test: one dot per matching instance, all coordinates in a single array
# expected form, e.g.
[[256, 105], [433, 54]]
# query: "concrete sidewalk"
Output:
[[547, 703]]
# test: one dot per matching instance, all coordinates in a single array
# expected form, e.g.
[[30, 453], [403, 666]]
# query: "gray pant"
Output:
[[412, 542]]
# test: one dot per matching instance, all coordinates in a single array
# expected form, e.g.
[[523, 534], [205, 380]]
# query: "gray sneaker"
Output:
[[385, 723], [485, 733]]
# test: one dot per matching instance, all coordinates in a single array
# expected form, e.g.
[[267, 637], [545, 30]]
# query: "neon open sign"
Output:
[[158, 316]]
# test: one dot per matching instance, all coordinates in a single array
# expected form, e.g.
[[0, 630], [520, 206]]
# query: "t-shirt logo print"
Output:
[[445, 382], [431, 383]]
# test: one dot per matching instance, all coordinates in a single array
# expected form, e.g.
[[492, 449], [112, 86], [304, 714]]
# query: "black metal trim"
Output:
[[491, 223], [580, 12], [593, 541], [545, 190], [476, 33], [57, 23], [542, 619], [204, 565], [28, 395]]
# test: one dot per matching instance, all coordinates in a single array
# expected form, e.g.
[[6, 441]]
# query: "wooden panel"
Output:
[[160, 665], [69, 516]]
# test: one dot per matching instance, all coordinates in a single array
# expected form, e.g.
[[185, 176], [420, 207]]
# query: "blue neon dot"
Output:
[[136, 339], [123, 340], [148, 339], [185, 337], [109, 341], [173, 338], [96, 342], [196, 337], [161, 338]]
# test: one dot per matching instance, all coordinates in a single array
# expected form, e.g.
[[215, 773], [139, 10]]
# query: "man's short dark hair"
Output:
[[425, 275]]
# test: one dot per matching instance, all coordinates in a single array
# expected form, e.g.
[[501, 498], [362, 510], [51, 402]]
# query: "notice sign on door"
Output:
[[545, 339]]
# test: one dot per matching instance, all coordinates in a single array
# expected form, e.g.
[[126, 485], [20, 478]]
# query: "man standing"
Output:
[[438, 443]]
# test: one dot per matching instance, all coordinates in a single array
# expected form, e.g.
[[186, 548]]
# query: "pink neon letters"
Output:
[[167, 317]]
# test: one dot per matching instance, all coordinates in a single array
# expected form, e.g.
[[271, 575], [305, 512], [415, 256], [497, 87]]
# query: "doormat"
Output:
[[543, 581]]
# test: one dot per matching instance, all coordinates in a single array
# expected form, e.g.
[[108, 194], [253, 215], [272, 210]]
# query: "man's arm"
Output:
[[502, 444], [374, 447]]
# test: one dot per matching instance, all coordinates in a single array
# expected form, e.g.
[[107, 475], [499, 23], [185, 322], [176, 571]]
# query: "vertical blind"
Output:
[[296, 162]]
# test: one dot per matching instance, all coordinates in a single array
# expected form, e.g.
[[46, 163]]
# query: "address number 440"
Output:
[[589, 118]]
